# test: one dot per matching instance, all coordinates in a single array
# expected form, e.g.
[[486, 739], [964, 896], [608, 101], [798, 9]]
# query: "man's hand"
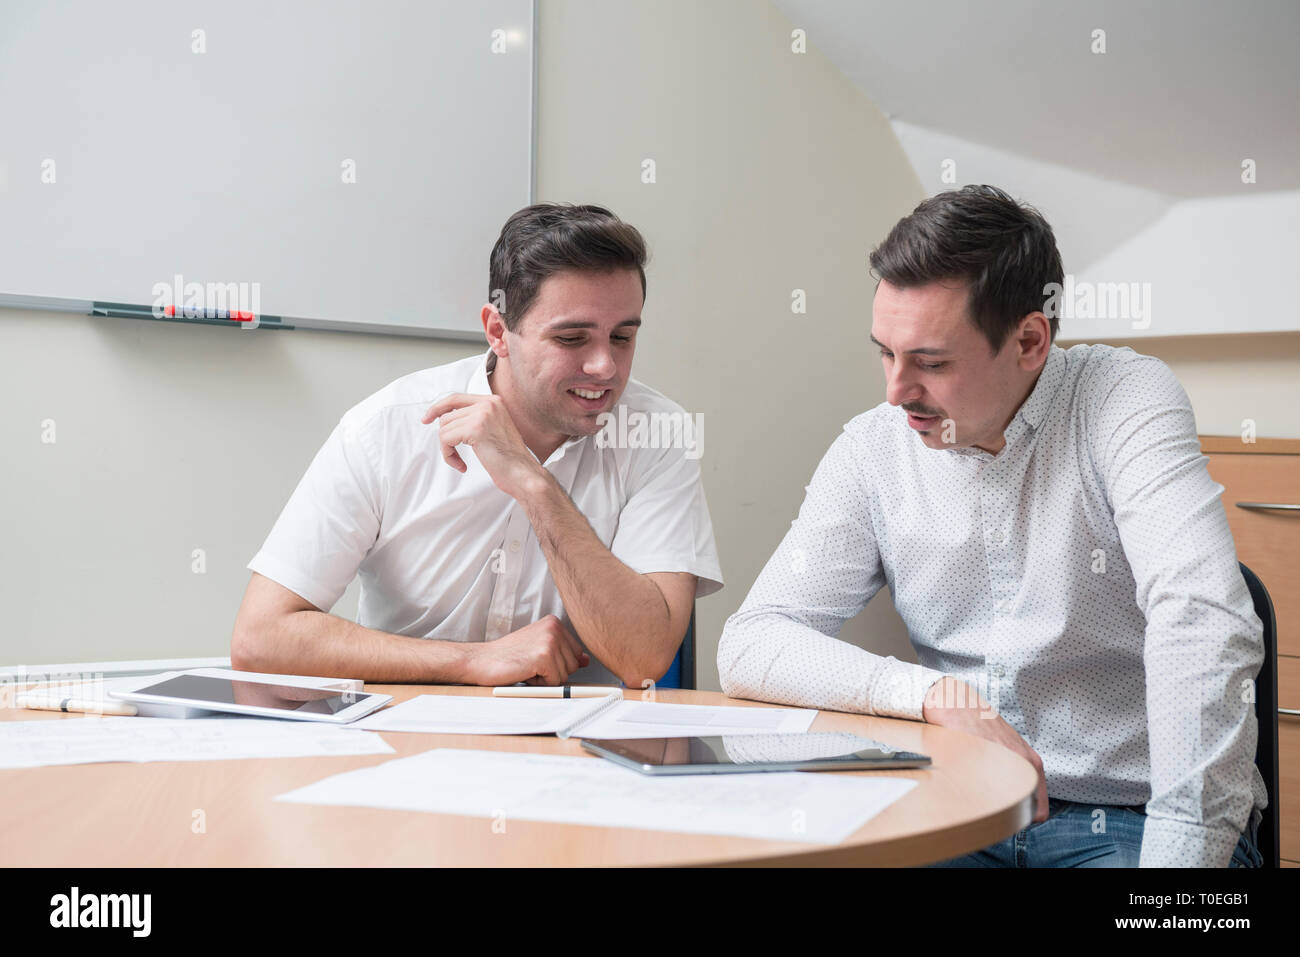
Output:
[[482, 422], [543, 653], [954, 704]]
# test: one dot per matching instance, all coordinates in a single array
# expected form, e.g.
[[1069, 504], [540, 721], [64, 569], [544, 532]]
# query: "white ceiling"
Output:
[[1186, 90]]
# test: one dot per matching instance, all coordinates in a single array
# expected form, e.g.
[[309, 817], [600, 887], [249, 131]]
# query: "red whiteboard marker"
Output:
[[187, 312]]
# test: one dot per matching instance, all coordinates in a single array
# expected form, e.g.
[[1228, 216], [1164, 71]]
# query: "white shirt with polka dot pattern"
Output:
[[1083, 579]]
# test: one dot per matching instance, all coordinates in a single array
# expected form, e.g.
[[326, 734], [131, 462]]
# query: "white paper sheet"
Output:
[[463, 714], [90, 688], [822, 808], [645, 719], [92, 740]]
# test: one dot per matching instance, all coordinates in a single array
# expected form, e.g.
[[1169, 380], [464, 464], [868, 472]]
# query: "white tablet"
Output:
[[180, 694]]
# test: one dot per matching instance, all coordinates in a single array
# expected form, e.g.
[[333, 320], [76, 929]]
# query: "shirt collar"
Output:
[[478, 382], [1035, 408]]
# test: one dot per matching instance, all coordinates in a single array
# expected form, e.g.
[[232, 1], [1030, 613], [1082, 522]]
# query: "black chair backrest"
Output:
[[1270, 828], [688, 655]]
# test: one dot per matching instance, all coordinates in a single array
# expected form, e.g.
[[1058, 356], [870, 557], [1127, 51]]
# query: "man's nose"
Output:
[[899, 386], [599, 363]]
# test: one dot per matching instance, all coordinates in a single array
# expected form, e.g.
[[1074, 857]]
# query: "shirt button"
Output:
[[514, 546], [1001, 606], [996, 671], [997, 535]]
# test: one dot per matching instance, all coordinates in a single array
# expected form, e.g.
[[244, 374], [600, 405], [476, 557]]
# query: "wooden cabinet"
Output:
[[1288, 756], [1267, 472]]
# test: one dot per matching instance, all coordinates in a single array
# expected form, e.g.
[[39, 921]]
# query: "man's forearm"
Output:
[[318, 643], [1201, 731], [767, 654], [619, 614]]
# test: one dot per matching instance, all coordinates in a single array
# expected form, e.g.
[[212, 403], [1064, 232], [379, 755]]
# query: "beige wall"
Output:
[[773, 173], [168, 439]]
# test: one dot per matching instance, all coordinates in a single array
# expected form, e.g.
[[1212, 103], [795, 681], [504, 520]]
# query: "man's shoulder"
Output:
[[413, 390], [877, 427], [873, 441], [1096, 371], [645, 431], [639, 397]]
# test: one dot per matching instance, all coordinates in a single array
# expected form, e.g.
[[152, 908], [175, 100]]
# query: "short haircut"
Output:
[[547, 238], [1003, 249]]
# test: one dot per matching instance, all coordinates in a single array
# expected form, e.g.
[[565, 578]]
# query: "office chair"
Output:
[[1270, 827], [681, 673]]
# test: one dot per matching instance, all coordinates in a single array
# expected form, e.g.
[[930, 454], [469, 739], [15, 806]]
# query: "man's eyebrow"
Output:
[[914, 352], [586, 324]]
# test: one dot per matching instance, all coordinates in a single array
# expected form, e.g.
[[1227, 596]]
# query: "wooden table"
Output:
[[975, 794]]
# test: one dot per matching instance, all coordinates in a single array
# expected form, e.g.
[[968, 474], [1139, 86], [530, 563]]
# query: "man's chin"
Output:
[[586, 427], [576, 426], [933, 439]]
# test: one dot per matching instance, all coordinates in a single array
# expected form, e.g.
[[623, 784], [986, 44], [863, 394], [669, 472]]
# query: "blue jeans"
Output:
[[1088, 835]]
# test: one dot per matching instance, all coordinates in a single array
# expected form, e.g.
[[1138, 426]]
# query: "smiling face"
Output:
[[569, 357], [941, 370]]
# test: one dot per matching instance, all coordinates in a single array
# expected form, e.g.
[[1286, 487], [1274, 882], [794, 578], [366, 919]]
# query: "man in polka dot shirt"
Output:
[[1052, 540]]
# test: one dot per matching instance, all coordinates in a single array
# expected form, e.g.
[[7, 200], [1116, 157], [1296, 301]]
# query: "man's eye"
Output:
[[568, 341], [886, 355], [932, 365], [622, 338]]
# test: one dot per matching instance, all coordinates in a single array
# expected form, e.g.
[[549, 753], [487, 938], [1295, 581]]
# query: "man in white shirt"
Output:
[[1052, 540], [503, 530]]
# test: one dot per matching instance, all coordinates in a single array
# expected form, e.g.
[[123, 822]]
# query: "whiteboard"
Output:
[[130, 157]]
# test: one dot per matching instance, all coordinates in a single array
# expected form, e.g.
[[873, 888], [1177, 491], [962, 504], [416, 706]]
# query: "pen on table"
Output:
[[539, 691], [38, 702]]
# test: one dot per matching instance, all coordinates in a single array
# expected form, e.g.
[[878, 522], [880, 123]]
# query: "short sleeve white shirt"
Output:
[[450, 556]]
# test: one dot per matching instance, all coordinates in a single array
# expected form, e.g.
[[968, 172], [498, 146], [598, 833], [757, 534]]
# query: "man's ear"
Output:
[[1034, 339], [494, 327]]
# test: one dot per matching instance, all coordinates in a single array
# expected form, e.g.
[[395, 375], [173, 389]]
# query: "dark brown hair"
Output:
[[1003, 249], [547, 238]]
